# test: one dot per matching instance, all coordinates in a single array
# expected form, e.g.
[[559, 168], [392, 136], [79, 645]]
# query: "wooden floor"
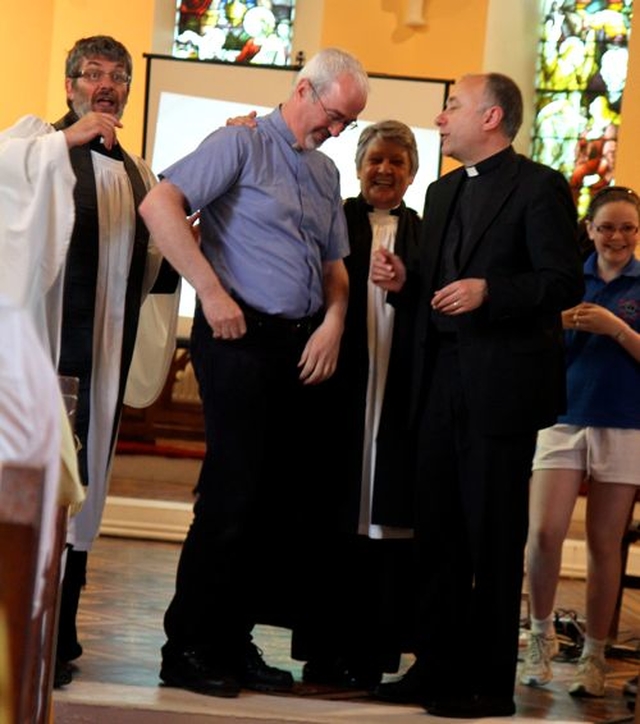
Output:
[[130, 583]]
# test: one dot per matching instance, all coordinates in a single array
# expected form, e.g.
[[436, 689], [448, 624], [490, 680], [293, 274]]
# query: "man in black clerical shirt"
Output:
[[499, 262]]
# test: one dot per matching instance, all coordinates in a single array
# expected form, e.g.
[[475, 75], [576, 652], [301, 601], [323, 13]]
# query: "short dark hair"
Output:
[[610, 194], [502, 91], [103, 46]]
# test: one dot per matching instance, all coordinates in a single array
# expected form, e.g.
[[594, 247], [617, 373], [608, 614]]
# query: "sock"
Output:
[[594, 647], [543, 626]]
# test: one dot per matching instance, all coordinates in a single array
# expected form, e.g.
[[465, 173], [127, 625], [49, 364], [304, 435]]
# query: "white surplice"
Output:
[[116, 226], [380, 317], [36, 219]]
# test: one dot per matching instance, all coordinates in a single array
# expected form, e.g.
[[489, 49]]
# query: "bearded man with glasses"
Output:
[[77, 209]]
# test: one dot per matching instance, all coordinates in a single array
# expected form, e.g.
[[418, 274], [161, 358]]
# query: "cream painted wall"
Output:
[[508, 20], [25, 47], [447, 46]]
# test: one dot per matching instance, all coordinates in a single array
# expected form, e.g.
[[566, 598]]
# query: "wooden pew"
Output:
[[21, 489]]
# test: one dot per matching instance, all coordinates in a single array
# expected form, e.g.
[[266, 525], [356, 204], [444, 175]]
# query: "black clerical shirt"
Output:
[[473, 194]]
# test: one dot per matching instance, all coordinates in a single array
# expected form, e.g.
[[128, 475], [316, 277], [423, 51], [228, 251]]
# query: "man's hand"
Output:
[[320, 355], [249, 120], [460, 297], [93, 125], [225, 317]]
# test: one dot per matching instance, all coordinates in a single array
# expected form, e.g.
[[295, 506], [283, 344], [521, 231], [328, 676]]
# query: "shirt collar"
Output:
[[384, 212], [630, 269], [489, 164], [278, 122]]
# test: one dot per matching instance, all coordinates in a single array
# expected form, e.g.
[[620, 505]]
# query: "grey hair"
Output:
[[102, 46], [393, 131], [328, 64]]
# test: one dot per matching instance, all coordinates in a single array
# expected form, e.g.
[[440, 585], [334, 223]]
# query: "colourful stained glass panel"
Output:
[[580, 78], [235, 31]]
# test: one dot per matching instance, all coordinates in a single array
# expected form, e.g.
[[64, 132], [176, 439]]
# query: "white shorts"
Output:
[[606, 454]]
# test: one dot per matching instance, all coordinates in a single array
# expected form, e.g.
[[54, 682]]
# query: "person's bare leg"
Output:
[[552, 499], [608, 508]]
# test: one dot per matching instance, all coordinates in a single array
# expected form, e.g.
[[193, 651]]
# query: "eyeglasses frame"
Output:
[[345, 123], [101, 74]]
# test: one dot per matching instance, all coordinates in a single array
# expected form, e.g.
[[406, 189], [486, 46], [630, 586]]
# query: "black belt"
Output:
[[275, 324]]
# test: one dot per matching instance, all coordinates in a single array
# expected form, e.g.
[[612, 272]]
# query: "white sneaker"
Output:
[[536, 670], [590, 677]]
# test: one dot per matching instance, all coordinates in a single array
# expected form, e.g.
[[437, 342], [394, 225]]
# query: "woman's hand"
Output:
[[589, 317]]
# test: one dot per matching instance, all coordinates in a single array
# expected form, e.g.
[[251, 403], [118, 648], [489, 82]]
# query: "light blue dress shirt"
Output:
[[270, 214]]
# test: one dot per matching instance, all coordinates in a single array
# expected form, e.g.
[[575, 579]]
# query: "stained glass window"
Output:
[[580, 78], [236, 31]]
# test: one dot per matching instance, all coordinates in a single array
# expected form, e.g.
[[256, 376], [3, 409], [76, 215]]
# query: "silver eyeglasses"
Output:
[[118, 77], [608, 230], [334, 118]]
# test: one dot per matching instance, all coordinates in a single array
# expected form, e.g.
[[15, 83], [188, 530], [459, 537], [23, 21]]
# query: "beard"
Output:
[[315, 139], [83, 105]]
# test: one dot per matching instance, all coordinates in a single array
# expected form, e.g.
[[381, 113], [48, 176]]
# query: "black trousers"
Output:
[[257, 500], [471, 531]]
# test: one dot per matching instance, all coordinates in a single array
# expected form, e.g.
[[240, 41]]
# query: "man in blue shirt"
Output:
[[272, 293]]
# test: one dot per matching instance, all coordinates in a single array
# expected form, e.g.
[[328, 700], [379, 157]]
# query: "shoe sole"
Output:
[[266, 689], [207, 691], [411, 700]]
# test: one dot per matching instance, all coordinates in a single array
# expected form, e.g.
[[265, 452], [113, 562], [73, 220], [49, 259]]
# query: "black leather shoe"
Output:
[[189, 670], [325, 672], [334, 672], [412, 688], [474, 708], [255, 674], [364, 677], [62, 673]]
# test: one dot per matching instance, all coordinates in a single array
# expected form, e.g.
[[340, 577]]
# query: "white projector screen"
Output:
[[188, 99]]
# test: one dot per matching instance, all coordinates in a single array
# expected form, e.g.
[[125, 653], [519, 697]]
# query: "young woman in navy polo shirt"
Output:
[[597, 440]]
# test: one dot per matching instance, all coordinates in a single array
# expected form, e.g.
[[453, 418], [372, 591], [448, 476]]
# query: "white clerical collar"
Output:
[[471, 171]]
